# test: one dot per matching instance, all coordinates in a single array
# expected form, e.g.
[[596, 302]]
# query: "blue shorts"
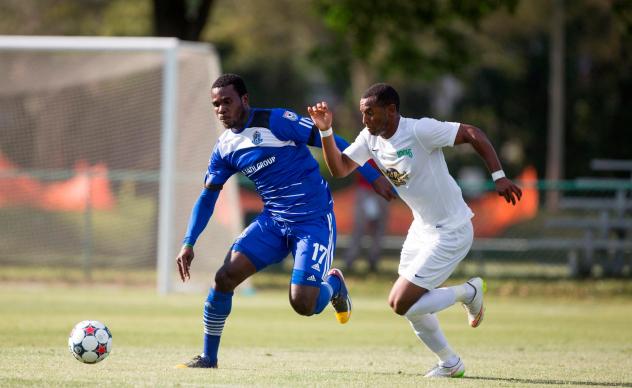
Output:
[[312, 243]]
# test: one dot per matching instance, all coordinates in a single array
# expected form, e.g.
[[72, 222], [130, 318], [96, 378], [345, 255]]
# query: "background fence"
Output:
[[588, 236]]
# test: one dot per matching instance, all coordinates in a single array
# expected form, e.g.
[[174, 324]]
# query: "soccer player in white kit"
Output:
[[408, 151]]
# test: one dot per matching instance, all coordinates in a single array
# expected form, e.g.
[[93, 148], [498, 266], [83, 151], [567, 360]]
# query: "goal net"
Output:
[[103, 147]]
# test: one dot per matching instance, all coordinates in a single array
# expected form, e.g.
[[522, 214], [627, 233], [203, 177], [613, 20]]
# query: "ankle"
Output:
[[447, 357], [464, 292]]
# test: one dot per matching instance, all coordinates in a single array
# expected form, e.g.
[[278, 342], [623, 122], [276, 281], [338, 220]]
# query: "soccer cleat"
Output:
[[475, 309], [342, 301], [198, 361], [441, 371]]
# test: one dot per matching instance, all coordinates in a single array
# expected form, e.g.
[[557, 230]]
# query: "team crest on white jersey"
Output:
[[398, 178], [256, 138], [290, 115]]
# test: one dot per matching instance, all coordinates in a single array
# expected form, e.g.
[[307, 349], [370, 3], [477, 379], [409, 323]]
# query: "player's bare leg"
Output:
[[303, 299], [309, 300]]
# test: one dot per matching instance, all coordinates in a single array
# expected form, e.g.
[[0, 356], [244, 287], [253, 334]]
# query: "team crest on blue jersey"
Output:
[[290, 115], [256, 138]]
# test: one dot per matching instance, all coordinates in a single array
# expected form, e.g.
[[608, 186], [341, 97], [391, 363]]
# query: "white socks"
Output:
[[426, 327], [441, 298], [464, 292]]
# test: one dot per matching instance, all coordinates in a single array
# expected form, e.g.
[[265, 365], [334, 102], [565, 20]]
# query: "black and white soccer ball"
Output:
[[90, 341]]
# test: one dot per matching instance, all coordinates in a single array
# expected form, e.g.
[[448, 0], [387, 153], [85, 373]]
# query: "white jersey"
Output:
[[413, 161]]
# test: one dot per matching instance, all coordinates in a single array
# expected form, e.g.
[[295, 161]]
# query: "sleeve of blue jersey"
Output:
[[218, 171], [288, 125], [200, 215], [291, 126]]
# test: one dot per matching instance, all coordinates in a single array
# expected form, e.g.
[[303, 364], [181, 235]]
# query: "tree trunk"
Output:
[[555, 149], [183, 19]]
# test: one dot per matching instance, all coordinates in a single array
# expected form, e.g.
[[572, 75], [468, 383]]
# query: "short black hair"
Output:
[[231, 79], [384, 95]]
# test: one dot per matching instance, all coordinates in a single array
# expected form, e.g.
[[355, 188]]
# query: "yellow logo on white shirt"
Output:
[[396, 177]]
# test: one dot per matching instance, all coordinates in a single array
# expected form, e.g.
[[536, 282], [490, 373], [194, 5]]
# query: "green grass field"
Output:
[[524, 341]]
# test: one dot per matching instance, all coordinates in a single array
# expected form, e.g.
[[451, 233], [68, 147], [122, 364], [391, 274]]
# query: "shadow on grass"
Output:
[[548, 381], [525, 381]]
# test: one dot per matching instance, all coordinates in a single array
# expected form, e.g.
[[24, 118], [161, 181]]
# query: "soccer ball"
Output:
[[90, 341]]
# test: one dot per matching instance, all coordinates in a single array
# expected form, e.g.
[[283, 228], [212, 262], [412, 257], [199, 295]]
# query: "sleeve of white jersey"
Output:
[[433, 134], [358, 151]]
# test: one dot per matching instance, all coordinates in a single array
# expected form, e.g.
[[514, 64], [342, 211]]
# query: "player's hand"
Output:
[[321, 115], [383, 188], [506, 188], [184, 259]]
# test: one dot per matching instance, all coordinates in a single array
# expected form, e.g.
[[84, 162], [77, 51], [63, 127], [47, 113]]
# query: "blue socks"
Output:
[[335, 283], [328, 289], [218, 305], [216, 310], [324, 296]]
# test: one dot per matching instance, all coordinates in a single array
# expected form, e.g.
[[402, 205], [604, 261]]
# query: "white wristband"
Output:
[[326, 133], [496, 175]]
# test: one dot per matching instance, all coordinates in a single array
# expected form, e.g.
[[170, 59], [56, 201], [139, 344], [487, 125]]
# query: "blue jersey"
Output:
[[272, 152]]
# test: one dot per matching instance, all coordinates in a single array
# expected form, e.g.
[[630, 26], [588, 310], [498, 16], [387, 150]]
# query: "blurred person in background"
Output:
[[409, 153], [370, 218]]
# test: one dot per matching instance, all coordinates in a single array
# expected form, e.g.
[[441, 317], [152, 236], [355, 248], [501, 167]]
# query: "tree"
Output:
[[184, 19], [412, 40], [421, 38], [499, 52]]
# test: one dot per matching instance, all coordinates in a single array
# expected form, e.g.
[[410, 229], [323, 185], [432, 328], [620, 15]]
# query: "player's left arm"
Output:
[[481, 144]]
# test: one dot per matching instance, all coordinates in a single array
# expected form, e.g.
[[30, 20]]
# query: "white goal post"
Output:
[[133, 74]]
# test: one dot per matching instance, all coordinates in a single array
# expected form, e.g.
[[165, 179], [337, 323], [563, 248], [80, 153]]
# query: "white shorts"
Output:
[[429, 256]]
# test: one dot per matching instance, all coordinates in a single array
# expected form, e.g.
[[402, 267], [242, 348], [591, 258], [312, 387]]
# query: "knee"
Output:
[[223, 281], [302, 306], [399, 306]]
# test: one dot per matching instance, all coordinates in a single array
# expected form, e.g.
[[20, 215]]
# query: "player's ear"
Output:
[[244, 99], [391, 109]]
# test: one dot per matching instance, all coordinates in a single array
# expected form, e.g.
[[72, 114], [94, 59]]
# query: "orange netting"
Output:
[[89, 185]]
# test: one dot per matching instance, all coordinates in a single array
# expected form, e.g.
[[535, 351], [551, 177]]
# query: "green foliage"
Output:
[[268, 43], [510, 81], [293, 53], [423, 38], [71, 17]]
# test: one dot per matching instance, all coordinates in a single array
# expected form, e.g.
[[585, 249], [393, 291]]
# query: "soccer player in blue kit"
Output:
[[269, 146]]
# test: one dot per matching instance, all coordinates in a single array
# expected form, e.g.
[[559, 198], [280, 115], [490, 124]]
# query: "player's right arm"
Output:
[[339, 164], [217, 174], [200, 216]]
